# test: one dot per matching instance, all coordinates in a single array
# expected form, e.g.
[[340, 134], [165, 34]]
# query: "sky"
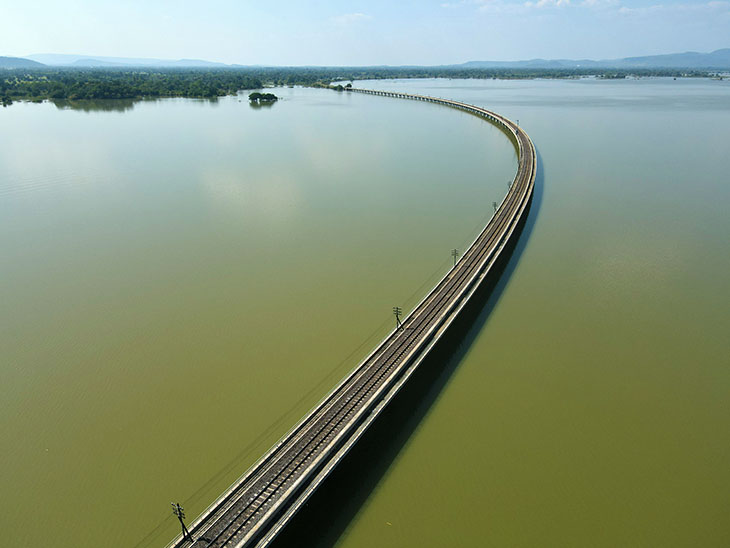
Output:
[[373, 32]]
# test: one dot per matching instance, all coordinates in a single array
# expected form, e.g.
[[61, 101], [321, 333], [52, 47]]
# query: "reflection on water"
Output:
[[263, 104], [94, 105], [186, 280], [180, 284], [587, 411], [118, 105]]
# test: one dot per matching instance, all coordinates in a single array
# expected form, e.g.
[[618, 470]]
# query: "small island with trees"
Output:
[[259, 98]]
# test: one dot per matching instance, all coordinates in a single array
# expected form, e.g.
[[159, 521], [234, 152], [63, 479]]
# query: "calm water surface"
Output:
[[182, 279], [593, 408]]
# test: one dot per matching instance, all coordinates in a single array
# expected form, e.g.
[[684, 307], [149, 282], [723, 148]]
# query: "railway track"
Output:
[[257, 506]]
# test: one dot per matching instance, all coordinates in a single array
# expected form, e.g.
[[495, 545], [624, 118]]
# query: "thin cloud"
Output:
[[599, 3], [350, 18], [508, 7], [502, 6], [548, 4], [715, 7]]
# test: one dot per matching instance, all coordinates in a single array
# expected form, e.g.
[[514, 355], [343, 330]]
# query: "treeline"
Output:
[[39, 84], [134, 83], [323, 76], [377, 73]]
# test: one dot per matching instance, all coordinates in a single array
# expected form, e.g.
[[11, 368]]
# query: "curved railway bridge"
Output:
[[256, 508]]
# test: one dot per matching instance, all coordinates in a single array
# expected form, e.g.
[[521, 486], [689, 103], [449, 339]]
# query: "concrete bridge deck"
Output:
[[255, 509]]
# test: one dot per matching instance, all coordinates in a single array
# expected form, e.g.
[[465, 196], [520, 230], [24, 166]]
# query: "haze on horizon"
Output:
[[376, 32]]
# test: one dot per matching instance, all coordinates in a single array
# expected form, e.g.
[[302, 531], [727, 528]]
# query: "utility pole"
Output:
[[179, 511], [454, 254], [397, 312]]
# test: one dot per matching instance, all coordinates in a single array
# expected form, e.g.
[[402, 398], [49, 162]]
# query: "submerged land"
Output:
[[68, 83]]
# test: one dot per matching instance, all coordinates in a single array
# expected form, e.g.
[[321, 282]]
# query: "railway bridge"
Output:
[[257, 506]]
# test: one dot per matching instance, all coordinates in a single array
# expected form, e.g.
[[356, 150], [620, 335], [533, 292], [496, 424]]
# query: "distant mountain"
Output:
[[197, 63], [719, 59], [18, 62], [94, 63], [57, 59]]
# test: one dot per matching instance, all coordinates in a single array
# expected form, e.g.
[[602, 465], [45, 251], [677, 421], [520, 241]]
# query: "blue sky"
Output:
[[328, 32]]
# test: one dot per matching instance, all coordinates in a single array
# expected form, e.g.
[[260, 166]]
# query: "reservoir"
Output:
[[183, 279]]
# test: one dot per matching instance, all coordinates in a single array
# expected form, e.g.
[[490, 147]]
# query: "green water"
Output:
[[182, 279], [593, 408]]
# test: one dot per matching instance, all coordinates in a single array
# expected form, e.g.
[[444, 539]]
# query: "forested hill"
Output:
[[19, 62]]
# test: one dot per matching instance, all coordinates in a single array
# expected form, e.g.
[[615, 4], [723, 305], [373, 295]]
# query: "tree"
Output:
[[257, 97]]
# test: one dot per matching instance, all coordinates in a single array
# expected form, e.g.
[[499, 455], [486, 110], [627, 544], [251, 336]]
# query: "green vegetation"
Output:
[[257, 97], [340, 87], [73, 84], [36, 84]]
